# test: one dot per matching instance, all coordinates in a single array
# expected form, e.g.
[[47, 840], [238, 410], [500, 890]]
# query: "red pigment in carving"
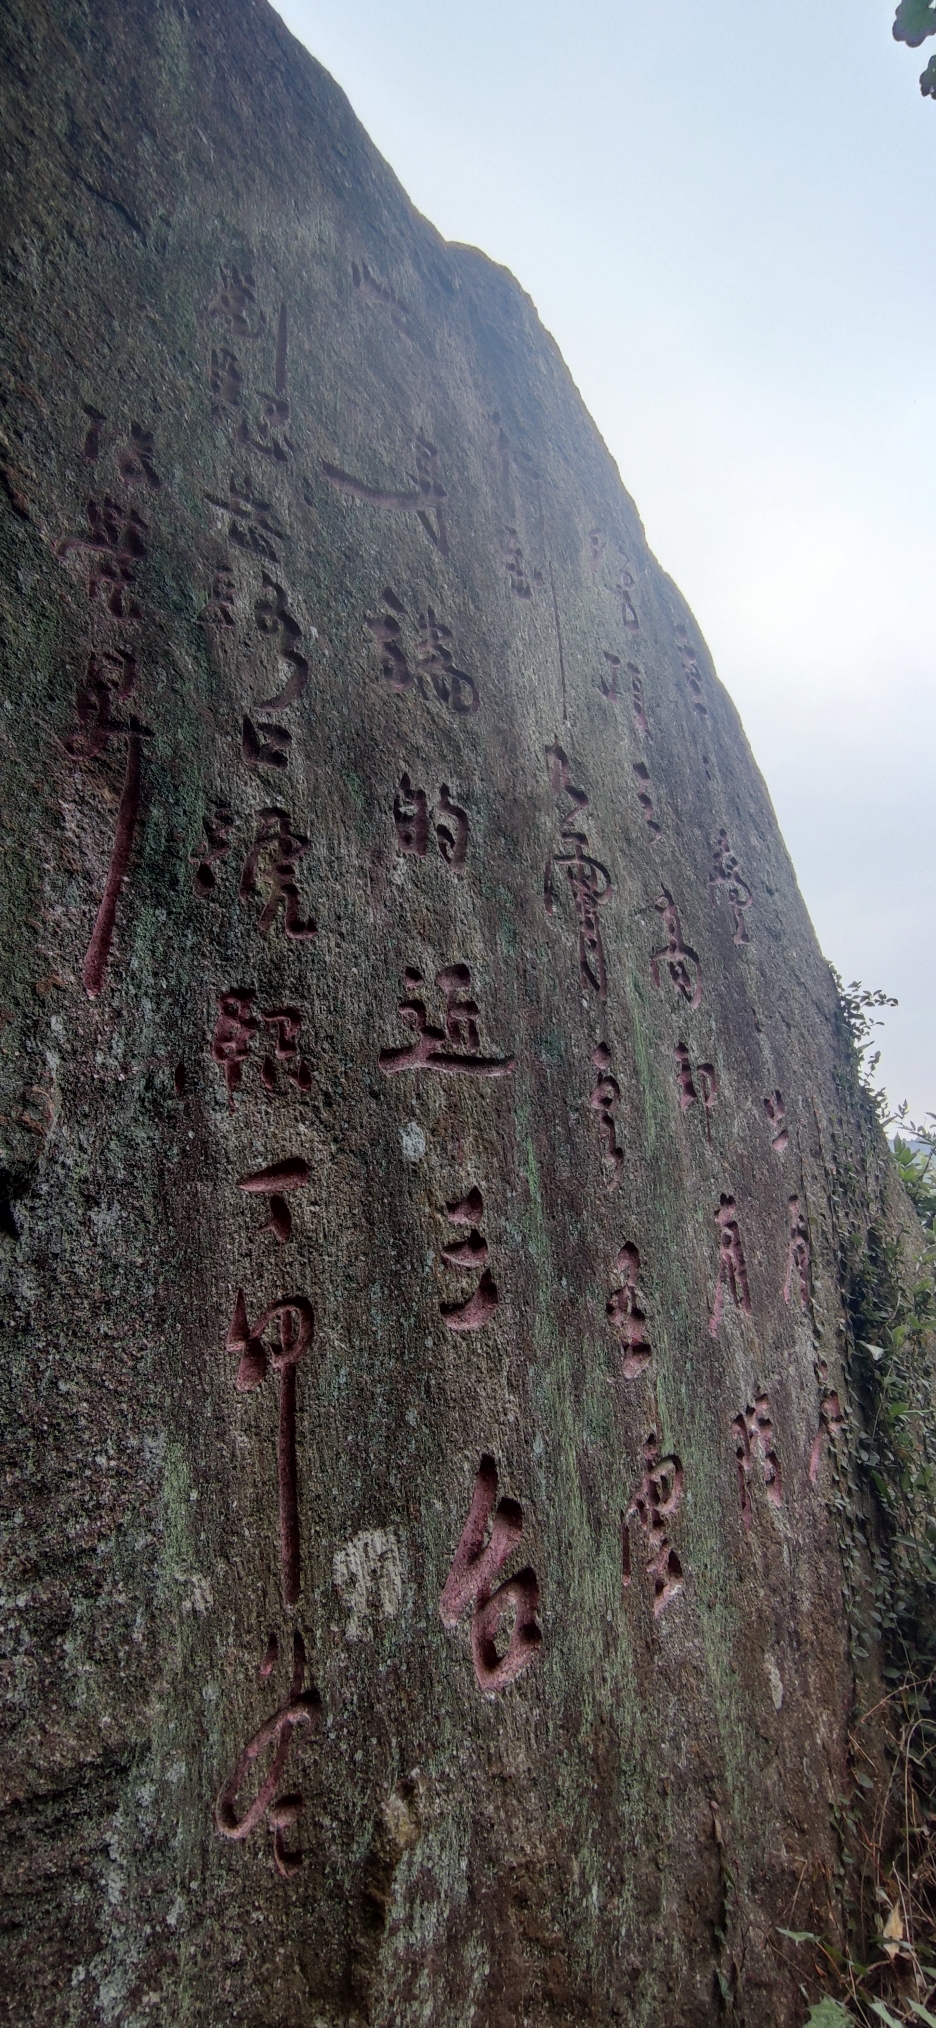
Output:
[[470, 1582], [98, 952], [732, 1272], [605, 1100], [831, 1423], [589, 880], [644, 798], [279, 847], [251, 526], [234, 1029], [432, 1049], [626, 1317], [266, 749], [637, 693], [776, 1112], [726, 873], [681, 961], [412, 815], [691, 672], [292, 1174], [514, 564], [798, 1255], [425, 502], [469, 1253], [115, 544], [296, 1326], [656, 1500], [753, 1435], [272, 616], [302, 1707], [285, 1023]]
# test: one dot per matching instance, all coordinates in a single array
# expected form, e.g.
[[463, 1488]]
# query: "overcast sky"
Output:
[[724, 213]]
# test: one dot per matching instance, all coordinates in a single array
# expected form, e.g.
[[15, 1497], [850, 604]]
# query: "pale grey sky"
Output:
[[724, 214]]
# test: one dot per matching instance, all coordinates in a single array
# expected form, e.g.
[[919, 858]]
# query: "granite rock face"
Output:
[[420, 1086]]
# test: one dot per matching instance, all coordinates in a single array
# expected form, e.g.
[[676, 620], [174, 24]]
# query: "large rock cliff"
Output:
[[421, 1097]]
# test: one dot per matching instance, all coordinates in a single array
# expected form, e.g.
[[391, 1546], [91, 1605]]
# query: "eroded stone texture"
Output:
[[419, 1085]]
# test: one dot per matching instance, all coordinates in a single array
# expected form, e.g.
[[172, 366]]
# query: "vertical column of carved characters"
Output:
[[831, 1424], [470, 1583], [627, 1318], [463, 1256], [605, 1100], [692, 674], [677, 958], [694, 1084], [657, 1499], [590, 882], [726, 873], [732, 1270], [754, 1438], [797, 1280], [113, 548]]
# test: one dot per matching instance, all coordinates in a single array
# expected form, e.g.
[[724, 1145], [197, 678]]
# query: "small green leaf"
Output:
[[829, 2014], [800, 1935], [885, 2014], [923, 2013]]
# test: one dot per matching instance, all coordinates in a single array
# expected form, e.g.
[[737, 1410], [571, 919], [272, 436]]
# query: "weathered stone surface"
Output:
[[266, 437]]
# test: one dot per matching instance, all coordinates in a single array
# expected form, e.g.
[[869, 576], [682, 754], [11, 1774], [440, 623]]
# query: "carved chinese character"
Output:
[[831, 1424], [470, 1582], [656, 1500], [732, 1272], [705, 1077], [681, 961], [423, 498], [295, 1321], [412, 816], [589, 881], [450, 1051], [266, 747], [273, 617], [235, 303], [626, 1317], [215, 846], [464, 1255], [251, 525], [753, 1435], [285, 1023], [272, 861], [726, 873], [97, 726], [692, 672], [273, 1182], [225, 379], [776, 1114], [219, 608], [605, 1100], [282, 1813], [235, 1028], [115, 545], [798, 1255]]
